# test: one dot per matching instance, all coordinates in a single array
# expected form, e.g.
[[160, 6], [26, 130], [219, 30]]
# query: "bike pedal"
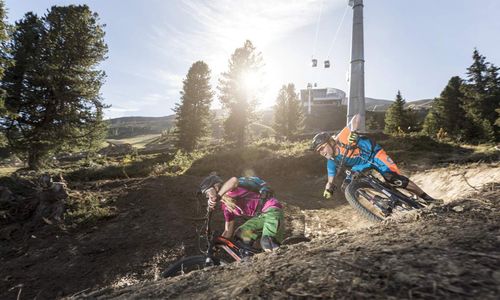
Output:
[[245, 253]]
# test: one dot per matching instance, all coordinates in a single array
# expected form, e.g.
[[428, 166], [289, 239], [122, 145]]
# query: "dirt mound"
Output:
[[447, 252], [457, 180], [149, 228]]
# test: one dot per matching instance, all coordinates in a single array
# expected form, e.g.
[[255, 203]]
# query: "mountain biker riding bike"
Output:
[[247, 197], [360, 153]]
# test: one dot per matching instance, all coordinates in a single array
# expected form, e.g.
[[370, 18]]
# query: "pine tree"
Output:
[[492, 102], [4, 61], [21, 83], [193, 113], [447, 110], [431, 123], [412, 122], [476, 73], [3, 50], [482, 97], [449, 106], [395, 117], [295, 111], [280, 113], [53, 89], [235, 97], [288, 114], [371, 123]]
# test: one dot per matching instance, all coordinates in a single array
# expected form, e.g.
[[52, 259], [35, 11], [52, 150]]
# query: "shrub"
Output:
[[87, 208], [179, 164]]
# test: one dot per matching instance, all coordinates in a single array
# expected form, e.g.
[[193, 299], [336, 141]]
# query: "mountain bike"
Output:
[[375, 199], [219, 251]]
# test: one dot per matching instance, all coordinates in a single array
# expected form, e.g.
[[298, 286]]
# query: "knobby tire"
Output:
[[187, 264], [350, 194]]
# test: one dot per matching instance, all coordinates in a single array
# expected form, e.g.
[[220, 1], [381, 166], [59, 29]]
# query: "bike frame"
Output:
[[215, 242], [394, 195]]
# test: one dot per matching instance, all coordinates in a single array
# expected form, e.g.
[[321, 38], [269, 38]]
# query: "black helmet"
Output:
[[319, 139], [209, 182]]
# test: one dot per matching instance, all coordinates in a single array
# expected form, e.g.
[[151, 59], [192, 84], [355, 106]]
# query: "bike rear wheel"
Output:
[[186, 265]]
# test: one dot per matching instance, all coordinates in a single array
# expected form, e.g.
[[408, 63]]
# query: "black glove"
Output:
[[266, 194]]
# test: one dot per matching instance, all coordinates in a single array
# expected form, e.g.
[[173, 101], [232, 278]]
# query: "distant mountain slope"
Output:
[[372, 104], [133, 126], [127, 127], [420, 104]]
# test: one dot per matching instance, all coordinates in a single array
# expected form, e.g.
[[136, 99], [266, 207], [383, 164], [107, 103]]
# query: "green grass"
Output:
[[121, 168], [262, 158], [422, 150], [266, 157], [137, 141], [7, 171]]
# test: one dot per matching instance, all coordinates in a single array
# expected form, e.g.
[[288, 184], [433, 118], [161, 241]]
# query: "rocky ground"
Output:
[[449, 251]]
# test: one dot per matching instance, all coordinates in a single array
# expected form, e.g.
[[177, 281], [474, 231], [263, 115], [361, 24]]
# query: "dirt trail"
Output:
[[151, 230], [440, 253], [458, 180]]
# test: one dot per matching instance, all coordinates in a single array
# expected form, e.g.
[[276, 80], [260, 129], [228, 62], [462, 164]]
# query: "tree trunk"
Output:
[[34, 160]]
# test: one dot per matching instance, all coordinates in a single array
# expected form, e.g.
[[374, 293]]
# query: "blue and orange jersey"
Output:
[[358, 157]]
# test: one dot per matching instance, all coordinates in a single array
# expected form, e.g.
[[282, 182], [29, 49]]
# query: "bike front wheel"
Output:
[[364, 199], [188, 264]]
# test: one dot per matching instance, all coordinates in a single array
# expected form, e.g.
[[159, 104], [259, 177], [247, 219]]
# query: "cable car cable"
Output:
[[317, 28], [337, 32]]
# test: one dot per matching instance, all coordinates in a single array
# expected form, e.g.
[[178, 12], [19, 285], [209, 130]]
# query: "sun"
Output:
[[250, 81]]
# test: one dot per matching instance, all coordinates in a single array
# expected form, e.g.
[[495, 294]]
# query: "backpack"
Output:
[[257, 185]]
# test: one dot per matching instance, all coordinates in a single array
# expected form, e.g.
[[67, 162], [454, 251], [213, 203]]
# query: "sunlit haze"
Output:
[[412, 46]]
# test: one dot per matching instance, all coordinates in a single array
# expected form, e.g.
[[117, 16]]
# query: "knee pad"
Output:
[[268, 243], [397, 180]]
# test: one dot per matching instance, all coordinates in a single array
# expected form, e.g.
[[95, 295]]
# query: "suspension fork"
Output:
[[373, 199]]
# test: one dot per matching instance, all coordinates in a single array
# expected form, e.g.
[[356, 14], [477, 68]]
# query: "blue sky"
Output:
[[412, 46]]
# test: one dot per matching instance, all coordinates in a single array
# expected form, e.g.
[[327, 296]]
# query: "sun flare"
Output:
[[250, 81]]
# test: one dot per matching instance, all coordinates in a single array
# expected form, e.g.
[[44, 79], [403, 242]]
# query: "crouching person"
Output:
[[247, 197]]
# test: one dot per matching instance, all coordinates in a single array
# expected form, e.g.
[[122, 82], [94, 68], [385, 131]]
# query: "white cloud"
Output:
[[216, 28], [114, 109], [211, 30], [170, 79], [153, 99], [229, 21]]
